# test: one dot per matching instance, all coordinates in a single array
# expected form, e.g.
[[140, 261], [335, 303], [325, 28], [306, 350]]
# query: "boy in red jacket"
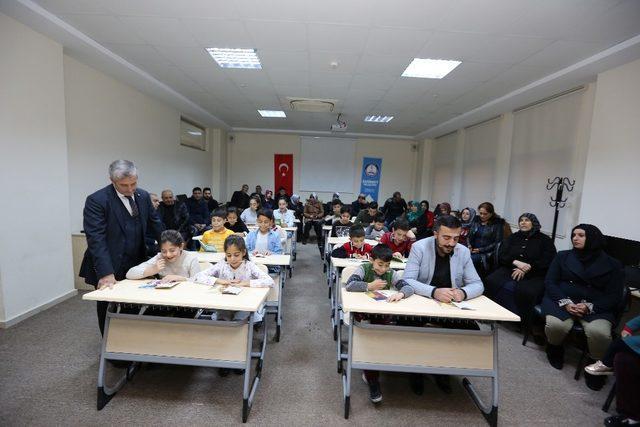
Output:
[[355, 247], [398, 240]]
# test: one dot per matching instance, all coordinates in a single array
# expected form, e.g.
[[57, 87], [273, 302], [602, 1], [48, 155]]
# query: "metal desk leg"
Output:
[[346, 375], [249, 391], [279, 313], [106, 393], [490, 412]]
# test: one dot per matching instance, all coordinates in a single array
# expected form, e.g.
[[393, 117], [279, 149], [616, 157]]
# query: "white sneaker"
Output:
[[598, 368]]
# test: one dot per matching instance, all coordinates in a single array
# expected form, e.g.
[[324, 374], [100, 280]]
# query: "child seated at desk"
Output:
[[172, 264], [214, 238], [265, 240], [283, 215], [250, 216], [355, 247], [235, 270], [399, 240], [341, 226], [234, 223], [374, 276], [377, 228], [336, 207]]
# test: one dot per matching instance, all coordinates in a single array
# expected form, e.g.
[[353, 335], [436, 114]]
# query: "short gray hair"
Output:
[[120, 169]]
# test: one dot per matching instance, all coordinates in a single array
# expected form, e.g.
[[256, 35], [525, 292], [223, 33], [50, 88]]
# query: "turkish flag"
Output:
[[283, 172]]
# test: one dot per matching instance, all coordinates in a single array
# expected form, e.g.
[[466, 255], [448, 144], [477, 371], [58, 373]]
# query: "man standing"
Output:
[[116, 220], [240, 199], [198, 211], [174, 214], [440, 268], [258, 193], [212, 204], [393, 208]]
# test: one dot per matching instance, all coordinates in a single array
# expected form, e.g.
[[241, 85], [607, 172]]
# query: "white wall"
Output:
[[108, 120], [611, 193], [251, 162], [35, 248]]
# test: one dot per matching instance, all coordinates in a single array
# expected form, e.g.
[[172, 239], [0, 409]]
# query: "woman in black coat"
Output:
[[524, 257], [583, 284]]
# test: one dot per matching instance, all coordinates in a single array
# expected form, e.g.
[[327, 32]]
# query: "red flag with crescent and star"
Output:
[[283, 177]]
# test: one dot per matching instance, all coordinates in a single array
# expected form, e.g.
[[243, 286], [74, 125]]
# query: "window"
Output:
[[192, 135]]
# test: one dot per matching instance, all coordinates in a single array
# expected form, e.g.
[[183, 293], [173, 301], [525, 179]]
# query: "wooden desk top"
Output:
[[343, 240], [184, 294], [636, 293], [215, 257], [417, 305], [346, 262]]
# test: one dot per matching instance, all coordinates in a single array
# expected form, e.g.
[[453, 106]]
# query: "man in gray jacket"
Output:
[[440, 268]]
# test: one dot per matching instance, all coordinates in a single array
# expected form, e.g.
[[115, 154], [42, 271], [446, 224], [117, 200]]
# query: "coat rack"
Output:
[[561, 184]]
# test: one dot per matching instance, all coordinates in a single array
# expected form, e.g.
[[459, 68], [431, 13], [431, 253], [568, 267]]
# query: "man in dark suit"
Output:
[[116, 220]]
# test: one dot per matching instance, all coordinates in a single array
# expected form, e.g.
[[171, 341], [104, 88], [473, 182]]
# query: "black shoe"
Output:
[[417, 384], [617, 421], [555, 355], [321, 252], [375, 394], [594, 382], [223, 372], [304, 241], [444, 383], [257, 326]]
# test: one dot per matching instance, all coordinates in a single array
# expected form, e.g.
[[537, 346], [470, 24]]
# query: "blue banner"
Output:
[[370, 182]]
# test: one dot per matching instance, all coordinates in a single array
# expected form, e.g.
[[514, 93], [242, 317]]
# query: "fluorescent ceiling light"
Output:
[[378, 119], [272, 113], [235, 58], [194, 132], [430, 68]]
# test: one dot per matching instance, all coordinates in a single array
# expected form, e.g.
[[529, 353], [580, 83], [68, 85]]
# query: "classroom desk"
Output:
[[274, 299], [181, 341], [338, 265], [330, 243], [429, 350]]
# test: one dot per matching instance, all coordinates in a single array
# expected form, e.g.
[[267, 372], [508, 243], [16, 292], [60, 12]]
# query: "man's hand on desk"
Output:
[[448, 295], [107, 282]]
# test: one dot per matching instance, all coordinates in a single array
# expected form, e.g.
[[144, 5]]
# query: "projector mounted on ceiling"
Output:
[[312, 105], [339, 125]]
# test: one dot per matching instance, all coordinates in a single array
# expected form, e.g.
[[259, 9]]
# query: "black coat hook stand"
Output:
[[561, 184]]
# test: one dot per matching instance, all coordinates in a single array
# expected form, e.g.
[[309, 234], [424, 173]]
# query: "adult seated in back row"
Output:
[[486, 231], [198, 211], [174, 214], [524, 257], [240, 198], [583, 285], [393, 208]]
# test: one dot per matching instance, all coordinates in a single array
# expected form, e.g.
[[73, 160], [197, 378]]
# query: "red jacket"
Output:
[[403, 247], [348, 250]]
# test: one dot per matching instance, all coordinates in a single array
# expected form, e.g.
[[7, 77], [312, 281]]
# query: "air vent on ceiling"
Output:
[[312, 105]]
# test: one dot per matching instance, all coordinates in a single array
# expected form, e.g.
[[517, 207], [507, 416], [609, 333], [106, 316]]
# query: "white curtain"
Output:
[[442, 167], [478, 171], [544, 144]]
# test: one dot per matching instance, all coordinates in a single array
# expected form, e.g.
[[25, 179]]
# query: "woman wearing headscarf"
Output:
[[422, 226], [413, 211], [313, 216], [524, 257], [443, 208], [466, 218], [297, 207], [583, 285]]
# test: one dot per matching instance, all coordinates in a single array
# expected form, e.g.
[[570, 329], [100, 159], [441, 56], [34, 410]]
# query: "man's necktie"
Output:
[[134, 206]]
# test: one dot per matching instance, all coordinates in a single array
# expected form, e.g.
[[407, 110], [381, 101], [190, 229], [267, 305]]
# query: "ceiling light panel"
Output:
[[235, 58], [426, 68], [378, 119], [272, 113]]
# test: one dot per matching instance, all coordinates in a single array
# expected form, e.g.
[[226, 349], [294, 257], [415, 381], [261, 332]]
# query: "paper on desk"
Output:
[[464, 305], [381, 295]]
